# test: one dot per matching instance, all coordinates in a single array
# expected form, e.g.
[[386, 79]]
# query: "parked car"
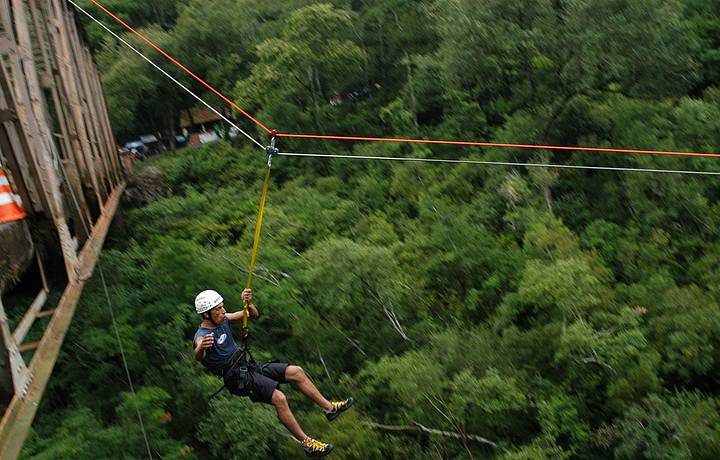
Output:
[[152, 144], [137, 145], [136, 150], [209, 137]]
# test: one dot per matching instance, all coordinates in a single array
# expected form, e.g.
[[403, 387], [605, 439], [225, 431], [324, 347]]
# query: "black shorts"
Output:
[[266, 377]]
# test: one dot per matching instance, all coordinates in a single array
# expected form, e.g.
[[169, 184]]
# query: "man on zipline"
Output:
[[214, 347]]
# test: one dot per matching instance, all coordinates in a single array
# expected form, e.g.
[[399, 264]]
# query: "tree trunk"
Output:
[[413, 99], [316, 93], [171, 120], [547, 193]]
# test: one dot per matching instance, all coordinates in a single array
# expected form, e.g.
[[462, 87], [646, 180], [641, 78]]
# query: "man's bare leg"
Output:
[[302, 382], [286, 416]]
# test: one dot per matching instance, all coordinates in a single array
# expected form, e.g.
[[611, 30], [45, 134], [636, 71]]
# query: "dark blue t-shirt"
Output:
[[222, 350]]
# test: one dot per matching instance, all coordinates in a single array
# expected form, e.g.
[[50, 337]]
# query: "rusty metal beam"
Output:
[[67, 69], [32, 112], [17, 369], [28, 346], [48, 84], [30, 315], [77, 85], [20, 413], [44, 313], [17, 145]]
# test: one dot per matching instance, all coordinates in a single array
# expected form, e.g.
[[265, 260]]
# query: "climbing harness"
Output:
[[237, 375]]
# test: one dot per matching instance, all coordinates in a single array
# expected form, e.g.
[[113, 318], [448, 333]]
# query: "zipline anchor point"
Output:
[[271, 149]]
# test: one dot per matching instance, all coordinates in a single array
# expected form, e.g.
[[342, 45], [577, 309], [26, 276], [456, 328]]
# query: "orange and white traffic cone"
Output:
[[10, 210]]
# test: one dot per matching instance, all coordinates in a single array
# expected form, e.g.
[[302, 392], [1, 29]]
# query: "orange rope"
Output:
[[174, 61], [412, 141]]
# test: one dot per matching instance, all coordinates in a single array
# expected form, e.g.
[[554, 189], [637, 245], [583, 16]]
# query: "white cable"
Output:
[[122, 354], [169, 76], [109, 304], [499, 163]]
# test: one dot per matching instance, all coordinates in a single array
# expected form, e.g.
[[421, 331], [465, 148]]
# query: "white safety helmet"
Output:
[[207, 300]]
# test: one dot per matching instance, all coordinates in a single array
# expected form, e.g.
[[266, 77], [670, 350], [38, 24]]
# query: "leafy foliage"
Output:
[[473, 312]]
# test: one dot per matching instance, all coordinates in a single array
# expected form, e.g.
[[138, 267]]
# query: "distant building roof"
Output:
[[199, 115]]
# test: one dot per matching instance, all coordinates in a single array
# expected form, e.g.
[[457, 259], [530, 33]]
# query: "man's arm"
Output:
[[239, 315], [202, 344]]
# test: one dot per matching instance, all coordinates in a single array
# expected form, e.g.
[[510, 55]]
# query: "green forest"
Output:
[[472, 311]]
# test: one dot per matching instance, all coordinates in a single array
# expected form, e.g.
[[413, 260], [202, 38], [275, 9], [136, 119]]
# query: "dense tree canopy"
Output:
[[473, 312]]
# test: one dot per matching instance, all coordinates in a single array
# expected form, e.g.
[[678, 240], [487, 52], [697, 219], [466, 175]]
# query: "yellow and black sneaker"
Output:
[[338, 407], [315, 448]]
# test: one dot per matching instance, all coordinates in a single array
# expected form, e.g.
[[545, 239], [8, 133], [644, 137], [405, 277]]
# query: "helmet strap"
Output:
[[208, 316]]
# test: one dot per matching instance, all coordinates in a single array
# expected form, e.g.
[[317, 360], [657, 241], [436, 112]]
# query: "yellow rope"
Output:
[[256, 240]]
